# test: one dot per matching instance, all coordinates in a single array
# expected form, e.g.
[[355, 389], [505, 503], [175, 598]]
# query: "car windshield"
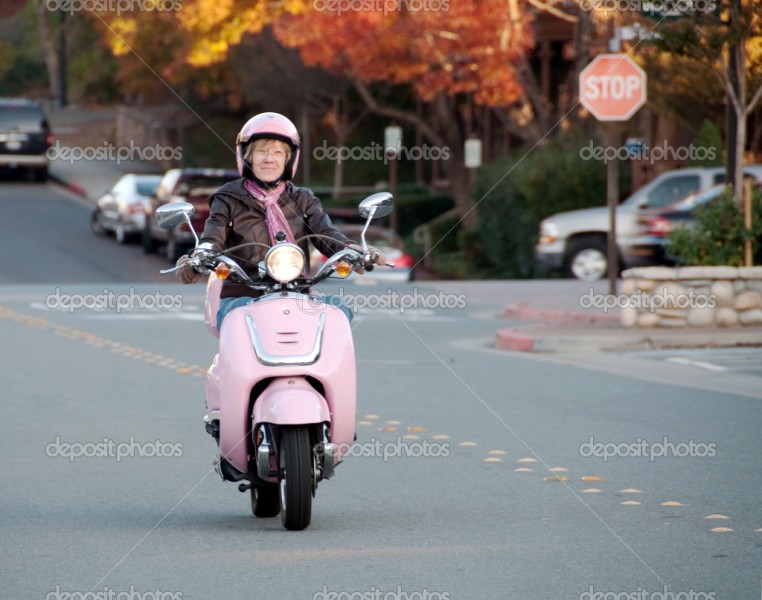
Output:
[[692, 200], [147, 187], [201, 186], [22, 118]]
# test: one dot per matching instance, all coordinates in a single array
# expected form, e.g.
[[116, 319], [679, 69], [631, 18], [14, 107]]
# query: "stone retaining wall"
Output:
[[692, 297]]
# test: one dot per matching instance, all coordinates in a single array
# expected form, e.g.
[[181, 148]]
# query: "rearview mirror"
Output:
[[377, 205], [173, 214]]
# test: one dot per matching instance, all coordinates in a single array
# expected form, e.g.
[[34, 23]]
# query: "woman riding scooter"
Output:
[[262, 203]]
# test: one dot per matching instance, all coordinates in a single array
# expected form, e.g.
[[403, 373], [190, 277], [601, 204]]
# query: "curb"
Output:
[[523, 311], [75, 188]]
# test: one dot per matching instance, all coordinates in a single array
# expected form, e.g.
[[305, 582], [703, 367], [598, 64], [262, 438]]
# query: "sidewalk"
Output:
[[91, 130], [562, 320]]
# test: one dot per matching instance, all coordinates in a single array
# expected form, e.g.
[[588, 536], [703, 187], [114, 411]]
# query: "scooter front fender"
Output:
[[290, 401]]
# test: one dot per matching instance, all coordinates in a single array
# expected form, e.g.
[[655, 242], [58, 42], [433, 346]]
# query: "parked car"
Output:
[[576, 241], [384, 240], [122, 209], [651, 246], [24, 137], [188, 185]]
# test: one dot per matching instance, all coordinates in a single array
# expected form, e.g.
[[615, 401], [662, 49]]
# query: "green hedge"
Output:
[[719, 234], [516, 192]]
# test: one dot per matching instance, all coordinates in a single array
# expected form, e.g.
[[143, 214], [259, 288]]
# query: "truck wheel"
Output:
[[587, 259]]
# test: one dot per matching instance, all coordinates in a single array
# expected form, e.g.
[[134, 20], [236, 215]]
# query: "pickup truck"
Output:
[[576, 241], [186, 185]]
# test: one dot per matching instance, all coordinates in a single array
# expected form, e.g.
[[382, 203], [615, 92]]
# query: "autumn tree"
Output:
[[455, 56]]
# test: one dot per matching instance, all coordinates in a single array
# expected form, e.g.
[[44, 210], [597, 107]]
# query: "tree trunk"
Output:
[[49, 48]]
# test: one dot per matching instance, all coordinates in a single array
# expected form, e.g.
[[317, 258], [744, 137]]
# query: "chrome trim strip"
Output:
[[271, 360]]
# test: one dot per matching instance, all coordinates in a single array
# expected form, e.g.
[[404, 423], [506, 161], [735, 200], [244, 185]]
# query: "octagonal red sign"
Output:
[[612, 87]]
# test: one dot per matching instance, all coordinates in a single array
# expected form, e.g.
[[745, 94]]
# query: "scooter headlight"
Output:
[[285, 262]]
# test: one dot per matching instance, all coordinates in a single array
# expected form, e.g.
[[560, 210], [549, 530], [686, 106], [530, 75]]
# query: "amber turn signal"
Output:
[[222, 271], [343, 269]]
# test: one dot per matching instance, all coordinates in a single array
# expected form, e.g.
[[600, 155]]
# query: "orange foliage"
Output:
[[453, 47]]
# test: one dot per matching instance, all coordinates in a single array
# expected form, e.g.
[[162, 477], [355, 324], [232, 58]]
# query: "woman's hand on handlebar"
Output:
[[186, 274]]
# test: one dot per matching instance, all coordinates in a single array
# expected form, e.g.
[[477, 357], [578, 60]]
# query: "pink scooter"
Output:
[[281, 392]]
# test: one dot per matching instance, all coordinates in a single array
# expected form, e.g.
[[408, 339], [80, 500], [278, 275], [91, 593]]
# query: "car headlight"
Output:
[[548, 233], [285, 262]]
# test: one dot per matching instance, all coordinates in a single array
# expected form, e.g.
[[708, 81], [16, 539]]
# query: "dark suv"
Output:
[[187, 185], [24, 137]]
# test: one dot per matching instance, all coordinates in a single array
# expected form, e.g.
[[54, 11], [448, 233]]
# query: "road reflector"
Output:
[[721, 529], [672, 503], [630, 503], [593, 478], [371, 417], [556, 478], [365, 423], [630, 491], [497, 452], [417, 428], [591, 491], [717, 517], [559, 470], [442, 436], [463, 444], [411, 437], [493, 459], [522, 470], [527, 460], [387, 429], [393, 423]]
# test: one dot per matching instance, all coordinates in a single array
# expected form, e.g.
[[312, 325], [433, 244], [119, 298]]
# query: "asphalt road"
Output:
[[467, 482]]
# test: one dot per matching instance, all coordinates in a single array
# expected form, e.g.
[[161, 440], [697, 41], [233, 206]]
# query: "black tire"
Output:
[[587, 259], [149, 244], [265, 500], [95, 223], [295, 478]]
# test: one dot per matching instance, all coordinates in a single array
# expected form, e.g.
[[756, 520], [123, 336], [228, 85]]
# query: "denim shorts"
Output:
[[228, 304]]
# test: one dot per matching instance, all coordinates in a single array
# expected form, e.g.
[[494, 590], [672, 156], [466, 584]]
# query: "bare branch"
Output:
[[550, 9], [400, 115]]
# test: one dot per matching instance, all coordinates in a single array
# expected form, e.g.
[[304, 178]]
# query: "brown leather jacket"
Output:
[[236, 218]]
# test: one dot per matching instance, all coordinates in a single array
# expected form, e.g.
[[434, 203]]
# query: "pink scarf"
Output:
[[274, 217]]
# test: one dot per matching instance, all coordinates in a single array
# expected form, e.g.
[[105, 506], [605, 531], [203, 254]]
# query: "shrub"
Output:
[[719, 234], [515, 193]]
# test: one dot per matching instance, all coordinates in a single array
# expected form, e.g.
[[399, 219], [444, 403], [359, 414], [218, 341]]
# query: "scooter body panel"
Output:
[[279, 329]]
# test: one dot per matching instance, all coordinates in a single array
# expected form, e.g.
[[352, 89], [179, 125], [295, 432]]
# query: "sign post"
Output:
[[613, 88]]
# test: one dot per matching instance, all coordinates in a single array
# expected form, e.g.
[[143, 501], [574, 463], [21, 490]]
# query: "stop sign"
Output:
[[612, 87]]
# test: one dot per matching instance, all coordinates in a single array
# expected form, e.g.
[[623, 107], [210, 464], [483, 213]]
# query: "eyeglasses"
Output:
[[278, 155]]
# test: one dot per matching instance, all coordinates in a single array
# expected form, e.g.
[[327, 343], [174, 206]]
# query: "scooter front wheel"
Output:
[[295, 478], [265, 500]]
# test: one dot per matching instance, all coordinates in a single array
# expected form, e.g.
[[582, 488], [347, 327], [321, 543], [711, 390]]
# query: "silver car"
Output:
[[121, 210]]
